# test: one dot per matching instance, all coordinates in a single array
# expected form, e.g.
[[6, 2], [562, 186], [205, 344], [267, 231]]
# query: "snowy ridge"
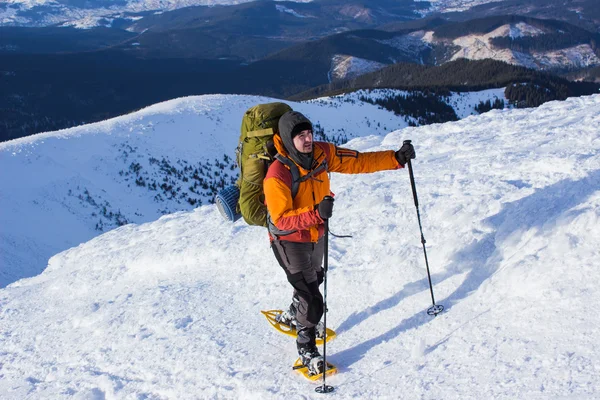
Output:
[[456, 5], [478, 47], [135, 168], [169, 309], [581, 56], [95, 177]]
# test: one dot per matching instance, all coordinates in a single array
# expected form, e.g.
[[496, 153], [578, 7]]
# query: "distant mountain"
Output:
[[254, 30], [523, 41], [246, 31], [56, 77], [179, 13], [581, 13], [49, 92], [529, 42], [527, 88], [52, 40], [88, 13], [123, 13]]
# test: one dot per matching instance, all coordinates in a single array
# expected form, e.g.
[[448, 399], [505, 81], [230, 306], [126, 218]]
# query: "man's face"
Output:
[[304, 141]]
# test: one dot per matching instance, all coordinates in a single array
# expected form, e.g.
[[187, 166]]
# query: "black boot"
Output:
[[307, 350], [289, 317]]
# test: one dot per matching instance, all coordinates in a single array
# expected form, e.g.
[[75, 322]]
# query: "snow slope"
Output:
[[135, 168], [62, 188], [169, 309]]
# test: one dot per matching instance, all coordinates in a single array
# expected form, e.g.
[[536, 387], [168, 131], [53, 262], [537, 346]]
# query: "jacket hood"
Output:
[[290, 123], [279, 146]]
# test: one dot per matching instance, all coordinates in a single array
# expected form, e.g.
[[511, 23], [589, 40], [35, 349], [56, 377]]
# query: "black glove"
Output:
[[406, 152], [325, 207]]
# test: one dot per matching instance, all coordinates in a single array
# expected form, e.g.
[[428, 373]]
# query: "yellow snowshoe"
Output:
[[290, 330], [304, 370]]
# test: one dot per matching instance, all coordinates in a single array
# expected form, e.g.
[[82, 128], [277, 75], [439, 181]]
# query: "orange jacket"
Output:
[[299, 214]]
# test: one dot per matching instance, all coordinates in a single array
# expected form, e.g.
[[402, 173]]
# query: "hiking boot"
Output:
[[286, 318], [289, 317], [311, 358]]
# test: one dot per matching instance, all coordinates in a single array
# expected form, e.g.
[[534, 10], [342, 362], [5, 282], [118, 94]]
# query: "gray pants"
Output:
[[302, 265]]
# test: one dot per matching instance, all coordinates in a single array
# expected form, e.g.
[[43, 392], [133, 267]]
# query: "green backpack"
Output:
[[259, 124]]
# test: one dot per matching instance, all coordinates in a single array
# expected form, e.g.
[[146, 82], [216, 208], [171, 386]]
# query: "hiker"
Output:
[[296, 224]]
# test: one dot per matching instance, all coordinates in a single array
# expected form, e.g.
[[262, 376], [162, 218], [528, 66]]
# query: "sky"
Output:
[[168, 307]]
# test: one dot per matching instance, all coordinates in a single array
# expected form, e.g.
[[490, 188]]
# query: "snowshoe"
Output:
[[282, 323], [286, 318], [305, 371]]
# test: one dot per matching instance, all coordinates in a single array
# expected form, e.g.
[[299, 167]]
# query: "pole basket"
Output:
[[324, 389], [435, 309]]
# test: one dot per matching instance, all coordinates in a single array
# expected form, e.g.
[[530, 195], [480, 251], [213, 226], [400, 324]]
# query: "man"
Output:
[[296, 223]]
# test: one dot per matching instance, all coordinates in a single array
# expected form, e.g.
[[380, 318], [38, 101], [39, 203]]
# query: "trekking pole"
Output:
[[435, 309], [325, 388]]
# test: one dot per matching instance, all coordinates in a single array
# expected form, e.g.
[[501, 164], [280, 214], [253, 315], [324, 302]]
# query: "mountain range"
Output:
[[93, 13], [59, 76]]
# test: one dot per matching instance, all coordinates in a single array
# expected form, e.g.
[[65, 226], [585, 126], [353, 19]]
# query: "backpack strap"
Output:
[[296, 180], [293, 170]]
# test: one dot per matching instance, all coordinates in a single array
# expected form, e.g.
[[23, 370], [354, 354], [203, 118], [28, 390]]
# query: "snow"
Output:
[[90, 22], [411, 44], [68, 183], [522, 29], [76, 184], [88, 17], [346, 67], [478, 47], [168, 308], [9, 15], [284, 9], [464, 103], [580, 56], [455, 5]]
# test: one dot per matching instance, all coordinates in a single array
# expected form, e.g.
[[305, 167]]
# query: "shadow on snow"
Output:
[[540, 210]]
